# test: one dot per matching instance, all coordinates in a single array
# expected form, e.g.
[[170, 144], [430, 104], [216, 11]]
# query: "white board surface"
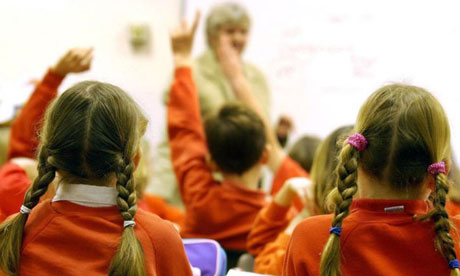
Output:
[[323, 58]]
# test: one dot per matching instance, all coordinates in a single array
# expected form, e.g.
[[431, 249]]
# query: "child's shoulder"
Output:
[[313, 231], [156, 227], [315, 224]]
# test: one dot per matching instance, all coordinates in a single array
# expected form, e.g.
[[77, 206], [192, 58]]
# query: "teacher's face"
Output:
[[238, 36]]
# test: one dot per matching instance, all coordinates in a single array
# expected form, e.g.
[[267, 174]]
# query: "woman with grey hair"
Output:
[[232, 20]]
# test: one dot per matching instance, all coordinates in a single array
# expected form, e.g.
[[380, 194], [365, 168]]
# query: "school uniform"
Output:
[[78, 232], [267, 240], [379, 237], [453, 208], [214, 90], [223, 211], [157, 205]]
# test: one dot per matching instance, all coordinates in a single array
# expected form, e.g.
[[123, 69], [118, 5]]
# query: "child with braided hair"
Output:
[[383, 223], [90, 139]]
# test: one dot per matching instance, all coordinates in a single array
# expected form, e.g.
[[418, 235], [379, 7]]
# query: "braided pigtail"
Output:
[[12, 230], [444, 242], [129, 258], [347, 172]]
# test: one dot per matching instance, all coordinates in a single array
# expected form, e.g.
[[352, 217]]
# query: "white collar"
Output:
[[87, 195]]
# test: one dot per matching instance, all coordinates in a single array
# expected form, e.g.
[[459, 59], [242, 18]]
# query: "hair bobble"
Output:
[[358, 141], [453, 264], [129, 223], [24, 210], [437, 168], [335, 230]]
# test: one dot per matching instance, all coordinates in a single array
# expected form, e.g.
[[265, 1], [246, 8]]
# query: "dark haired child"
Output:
[[233, 142]]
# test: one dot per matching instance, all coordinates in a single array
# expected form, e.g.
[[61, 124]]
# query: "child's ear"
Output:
[[211, 163], [137, 158], [265, 155]]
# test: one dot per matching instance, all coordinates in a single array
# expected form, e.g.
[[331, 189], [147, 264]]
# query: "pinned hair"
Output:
[[406, 130], [91, 132]]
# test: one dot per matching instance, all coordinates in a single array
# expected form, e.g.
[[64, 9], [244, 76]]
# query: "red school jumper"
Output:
[[63, 238], [23, 143], [373, 242], [223, 211]]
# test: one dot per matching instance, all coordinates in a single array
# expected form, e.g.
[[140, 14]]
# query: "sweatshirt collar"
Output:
[[413, 207], [87, 195]]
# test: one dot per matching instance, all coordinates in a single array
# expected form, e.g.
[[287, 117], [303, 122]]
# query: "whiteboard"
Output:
[[322, 59]]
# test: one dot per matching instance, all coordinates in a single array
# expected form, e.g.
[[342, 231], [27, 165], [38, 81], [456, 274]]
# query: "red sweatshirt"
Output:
[[63, 238], [223, 211], [373, 242], [453, 208], [23, 143], [267, 240], [23, 140], [157, 205]]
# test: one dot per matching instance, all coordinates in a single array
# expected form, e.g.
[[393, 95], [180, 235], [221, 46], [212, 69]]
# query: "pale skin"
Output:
[[237, 34], [369, 187]]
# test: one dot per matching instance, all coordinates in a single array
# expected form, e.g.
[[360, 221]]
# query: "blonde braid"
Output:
[[12, 230], [346, 188], [444, 242], [129, 258]]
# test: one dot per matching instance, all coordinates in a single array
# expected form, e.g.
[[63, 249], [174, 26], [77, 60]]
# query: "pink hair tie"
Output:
[[436, 168], [358, 141]]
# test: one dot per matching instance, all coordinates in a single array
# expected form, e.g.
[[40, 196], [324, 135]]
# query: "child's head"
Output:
[[236, 138], [323, 169], [231, 19], [406, 131], [90, 135], [304, 150]]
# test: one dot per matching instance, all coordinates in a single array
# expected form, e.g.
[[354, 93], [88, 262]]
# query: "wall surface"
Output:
[[34, 34], [324, 58], [321, 58]]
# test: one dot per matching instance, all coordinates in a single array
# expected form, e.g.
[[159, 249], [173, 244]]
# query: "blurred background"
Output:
[[321, 59]]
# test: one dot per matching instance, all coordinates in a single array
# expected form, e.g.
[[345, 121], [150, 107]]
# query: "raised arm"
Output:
[[23, 139], [233, 70], [16, 175], [186, 134]]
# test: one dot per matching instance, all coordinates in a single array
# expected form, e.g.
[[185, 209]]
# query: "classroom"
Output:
[[229, 137]]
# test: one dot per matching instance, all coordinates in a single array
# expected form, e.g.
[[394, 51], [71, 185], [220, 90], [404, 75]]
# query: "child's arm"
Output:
[[270, 260], [275, 218], [23, 138], [269, 223], [186, 134], [16, 175]]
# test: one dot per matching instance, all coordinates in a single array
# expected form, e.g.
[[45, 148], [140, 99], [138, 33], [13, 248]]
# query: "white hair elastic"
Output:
[[128, 223], [24, 210]]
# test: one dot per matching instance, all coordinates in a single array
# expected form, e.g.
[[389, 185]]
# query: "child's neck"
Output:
[[249, 179], [369, 187]]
